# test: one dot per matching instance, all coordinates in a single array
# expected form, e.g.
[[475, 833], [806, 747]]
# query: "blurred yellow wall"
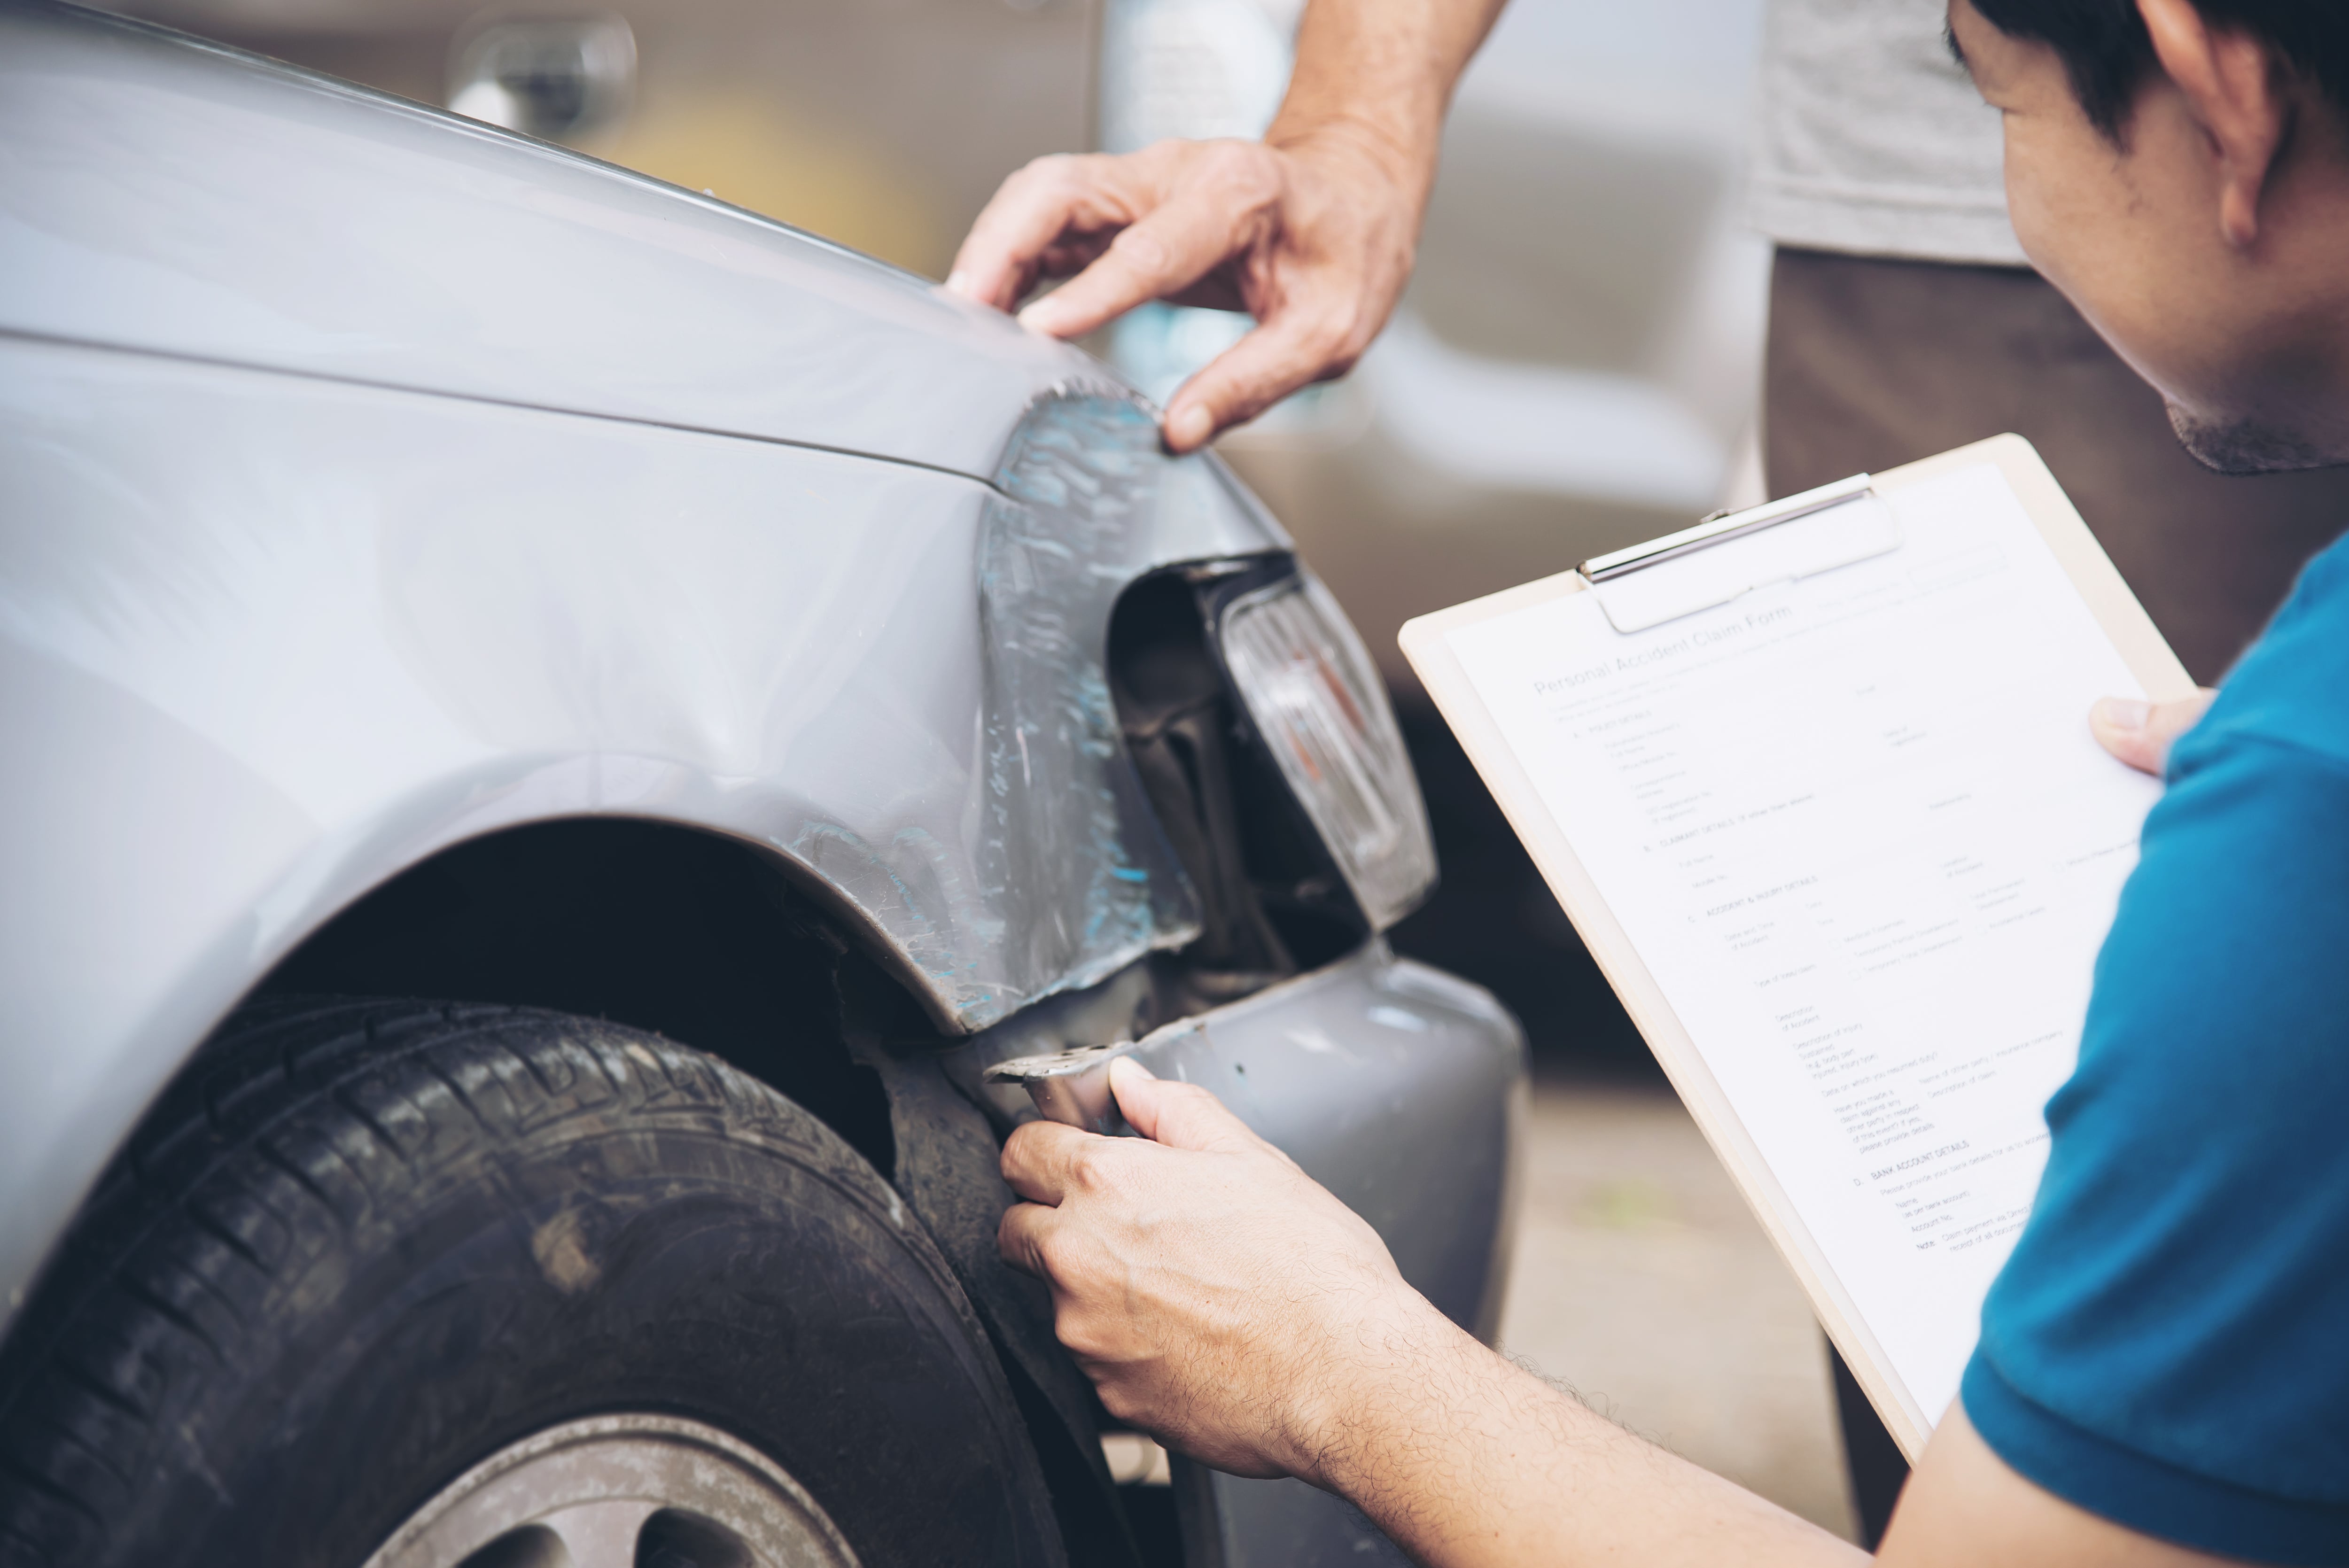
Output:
[[745, 147]]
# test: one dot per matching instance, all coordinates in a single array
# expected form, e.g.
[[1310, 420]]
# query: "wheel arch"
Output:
[[728, 946], [712, 940], [302, 1180]]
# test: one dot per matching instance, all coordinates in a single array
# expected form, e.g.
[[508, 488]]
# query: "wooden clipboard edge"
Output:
[[1426, 646]]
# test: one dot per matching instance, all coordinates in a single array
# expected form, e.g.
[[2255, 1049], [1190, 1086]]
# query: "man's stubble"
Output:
[[2247, 446]]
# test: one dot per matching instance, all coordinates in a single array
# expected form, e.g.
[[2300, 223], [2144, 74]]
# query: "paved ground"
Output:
[[1642, 1283]]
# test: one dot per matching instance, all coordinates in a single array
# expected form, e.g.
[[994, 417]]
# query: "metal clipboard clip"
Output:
[[1729, 555]]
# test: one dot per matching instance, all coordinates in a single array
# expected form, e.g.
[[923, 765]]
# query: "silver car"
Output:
[[553, 729]]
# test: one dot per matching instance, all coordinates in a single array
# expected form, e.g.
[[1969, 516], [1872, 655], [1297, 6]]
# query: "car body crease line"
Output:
[[216, 362]]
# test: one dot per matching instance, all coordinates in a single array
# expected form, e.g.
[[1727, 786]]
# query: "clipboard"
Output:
[[1717, 562]]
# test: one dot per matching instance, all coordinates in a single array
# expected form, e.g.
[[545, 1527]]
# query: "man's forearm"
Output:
[[1381, 72], [1219, 1297], [1467, 1460]]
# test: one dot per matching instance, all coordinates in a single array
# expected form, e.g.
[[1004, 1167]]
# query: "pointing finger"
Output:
[[1159, 255], [1164, 252], [1030, 214]]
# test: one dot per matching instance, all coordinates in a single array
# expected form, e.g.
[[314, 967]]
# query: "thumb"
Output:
[[2140, 733], [1179, 1115]]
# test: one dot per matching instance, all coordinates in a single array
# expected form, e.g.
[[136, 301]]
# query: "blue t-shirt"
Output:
[[2168, 1346]]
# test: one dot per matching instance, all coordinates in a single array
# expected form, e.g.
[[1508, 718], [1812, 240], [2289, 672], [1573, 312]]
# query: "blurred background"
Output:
[[1575, 368]]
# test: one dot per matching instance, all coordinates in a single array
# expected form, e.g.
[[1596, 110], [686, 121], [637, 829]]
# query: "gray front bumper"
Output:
[[1402, 1090]]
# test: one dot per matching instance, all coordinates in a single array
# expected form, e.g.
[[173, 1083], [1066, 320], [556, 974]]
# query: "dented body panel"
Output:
[[255, 669], [372, 482], [1089, 502]]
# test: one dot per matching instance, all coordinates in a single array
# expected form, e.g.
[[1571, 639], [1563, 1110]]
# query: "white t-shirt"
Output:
[[1870, 139]]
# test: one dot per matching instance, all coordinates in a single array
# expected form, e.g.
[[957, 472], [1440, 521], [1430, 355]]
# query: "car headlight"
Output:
[[1319, 709]]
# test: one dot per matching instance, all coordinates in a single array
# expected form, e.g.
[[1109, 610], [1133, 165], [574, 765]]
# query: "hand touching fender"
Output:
[[1216, 1294], [1311, 230], [1313, 237], [1221, 1301]]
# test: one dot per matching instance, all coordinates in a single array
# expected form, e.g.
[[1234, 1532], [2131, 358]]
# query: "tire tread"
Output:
[[298, 1124]]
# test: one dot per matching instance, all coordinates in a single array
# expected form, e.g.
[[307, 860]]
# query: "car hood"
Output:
[[164, 195]]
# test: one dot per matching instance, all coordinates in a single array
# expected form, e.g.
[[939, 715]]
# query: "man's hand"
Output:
[[1216, 1294], [1311, 231], [2141, 733], [1313, 238], [1223, 1301]]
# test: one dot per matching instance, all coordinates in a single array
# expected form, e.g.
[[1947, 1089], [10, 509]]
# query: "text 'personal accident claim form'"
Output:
[[1859, 832]]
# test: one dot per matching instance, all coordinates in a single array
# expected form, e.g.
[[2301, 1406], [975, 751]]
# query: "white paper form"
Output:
[[1858, 830]]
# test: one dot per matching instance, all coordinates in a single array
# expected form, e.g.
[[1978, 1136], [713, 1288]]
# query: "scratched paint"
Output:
[[1063, 876], [1071, 861], [643, 574]]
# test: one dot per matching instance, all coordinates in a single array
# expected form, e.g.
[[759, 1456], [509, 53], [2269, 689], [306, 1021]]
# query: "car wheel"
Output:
[[412, 1286]]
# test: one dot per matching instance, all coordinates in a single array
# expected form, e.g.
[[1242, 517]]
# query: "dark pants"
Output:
[[1874, 363]]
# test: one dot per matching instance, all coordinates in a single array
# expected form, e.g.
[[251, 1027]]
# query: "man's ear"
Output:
[[2228, 82]]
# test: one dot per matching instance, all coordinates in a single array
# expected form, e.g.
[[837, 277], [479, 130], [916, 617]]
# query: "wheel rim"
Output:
[[620, 1491]]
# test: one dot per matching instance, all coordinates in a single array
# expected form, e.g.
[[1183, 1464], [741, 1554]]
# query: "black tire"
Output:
[[369, 1243]]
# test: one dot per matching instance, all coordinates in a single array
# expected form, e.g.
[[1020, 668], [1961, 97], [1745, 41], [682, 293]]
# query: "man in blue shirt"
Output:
[[2163, 1373]]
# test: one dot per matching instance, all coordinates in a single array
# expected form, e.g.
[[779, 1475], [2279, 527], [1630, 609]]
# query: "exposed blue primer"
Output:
[[1065, 878], [1071, 859]]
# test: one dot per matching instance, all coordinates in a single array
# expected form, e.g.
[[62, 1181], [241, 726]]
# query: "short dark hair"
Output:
[[2107, 52]]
